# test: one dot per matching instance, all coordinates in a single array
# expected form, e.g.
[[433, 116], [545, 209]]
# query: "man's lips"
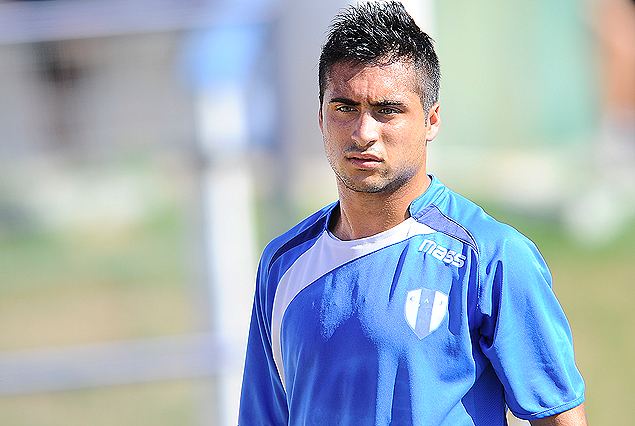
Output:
[[364, 161]]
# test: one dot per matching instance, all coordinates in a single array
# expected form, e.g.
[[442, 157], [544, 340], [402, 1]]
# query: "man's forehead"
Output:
[[344, 76], [401, 65]]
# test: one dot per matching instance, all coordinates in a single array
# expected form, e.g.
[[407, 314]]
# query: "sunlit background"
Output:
[[150, 149]]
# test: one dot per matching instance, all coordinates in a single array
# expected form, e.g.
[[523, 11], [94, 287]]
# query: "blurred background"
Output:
[[150, 149]]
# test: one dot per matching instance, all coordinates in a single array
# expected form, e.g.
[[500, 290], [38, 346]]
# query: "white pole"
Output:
[[227, 188]]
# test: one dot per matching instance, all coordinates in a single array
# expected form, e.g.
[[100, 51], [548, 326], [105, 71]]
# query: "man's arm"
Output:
[[572, 417]]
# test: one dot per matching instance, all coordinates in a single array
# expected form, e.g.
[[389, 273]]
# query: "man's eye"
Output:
[[388, 111], [345, 108]]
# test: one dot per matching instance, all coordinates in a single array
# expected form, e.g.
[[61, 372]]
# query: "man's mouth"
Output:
[[363, 160]]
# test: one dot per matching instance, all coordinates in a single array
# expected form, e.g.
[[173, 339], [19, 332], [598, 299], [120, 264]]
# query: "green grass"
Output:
[[102, 281], [92, 284], [150, 251], [158, 404]]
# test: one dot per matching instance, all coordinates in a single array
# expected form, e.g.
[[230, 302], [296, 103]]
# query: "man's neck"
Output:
[[365, 214]]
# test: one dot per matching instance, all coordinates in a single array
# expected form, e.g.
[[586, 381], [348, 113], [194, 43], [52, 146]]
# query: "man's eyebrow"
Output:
[[350, 102], [388, 103], [344, 101]]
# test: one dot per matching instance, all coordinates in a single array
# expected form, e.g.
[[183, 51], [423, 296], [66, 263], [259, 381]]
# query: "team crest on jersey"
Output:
[[425, 310]]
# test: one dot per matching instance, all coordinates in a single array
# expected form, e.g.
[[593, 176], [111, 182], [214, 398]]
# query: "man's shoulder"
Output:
[[466, 218], [305, 231]]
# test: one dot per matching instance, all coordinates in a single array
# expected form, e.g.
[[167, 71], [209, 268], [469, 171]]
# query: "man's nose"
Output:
[[366, 130]]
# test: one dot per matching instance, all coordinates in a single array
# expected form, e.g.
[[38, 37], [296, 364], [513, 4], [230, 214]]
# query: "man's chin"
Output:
[[372, 187]]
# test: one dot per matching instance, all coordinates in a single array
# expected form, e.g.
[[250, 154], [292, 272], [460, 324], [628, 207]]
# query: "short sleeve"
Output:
[[525, 333]]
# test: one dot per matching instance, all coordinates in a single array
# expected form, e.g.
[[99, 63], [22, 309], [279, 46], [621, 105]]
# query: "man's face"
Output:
[[374, 127]]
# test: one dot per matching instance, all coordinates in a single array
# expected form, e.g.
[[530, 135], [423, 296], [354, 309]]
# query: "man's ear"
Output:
[[434, 122]]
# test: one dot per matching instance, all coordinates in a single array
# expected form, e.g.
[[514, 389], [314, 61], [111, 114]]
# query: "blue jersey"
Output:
[[446, 319]]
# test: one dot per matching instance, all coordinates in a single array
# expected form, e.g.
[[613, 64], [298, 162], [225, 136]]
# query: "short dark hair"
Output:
[[377, 32]]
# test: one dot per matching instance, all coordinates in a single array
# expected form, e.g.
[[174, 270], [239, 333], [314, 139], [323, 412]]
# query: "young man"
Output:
[[402, 303]]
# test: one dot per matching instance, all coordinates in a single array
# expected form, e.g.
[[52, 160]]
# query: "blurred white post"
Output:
[[227, 191], [221, 60], [422, 11]]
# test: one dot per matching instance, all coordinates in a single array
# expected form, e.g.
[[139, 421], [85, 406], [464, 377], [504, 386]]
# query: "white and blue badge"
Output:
[[425, 310]]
